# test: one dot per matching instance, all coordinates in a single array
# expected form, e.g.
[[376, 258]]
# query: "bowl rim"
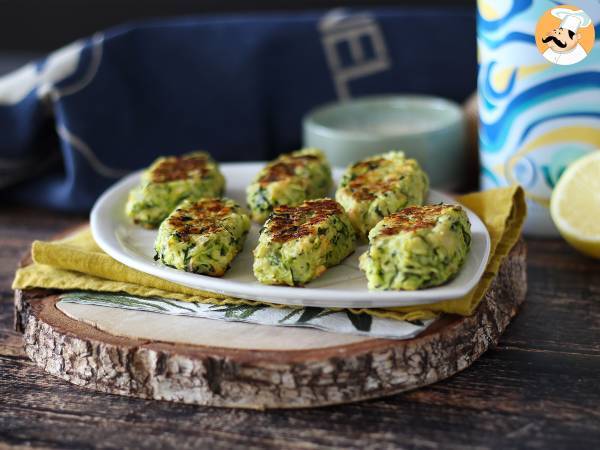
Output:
[[312, 121]]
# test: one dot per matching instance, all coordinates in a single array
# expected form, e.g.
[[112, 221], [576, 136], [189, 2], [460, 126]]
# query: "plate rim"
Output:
[[283, 295]]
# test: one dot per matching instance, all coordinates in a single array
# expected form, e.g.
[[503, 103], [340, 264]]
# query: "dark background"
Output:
[[38, 26]]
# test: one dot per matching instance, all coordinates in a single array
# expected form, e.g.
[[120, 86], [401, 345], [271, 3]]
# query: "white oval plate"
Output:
[[341, 286]]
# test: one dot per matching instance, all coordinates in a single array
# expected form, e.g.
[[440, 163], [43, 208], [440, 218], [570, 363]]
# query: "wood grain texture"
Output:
[[538, 388], [261, 379]]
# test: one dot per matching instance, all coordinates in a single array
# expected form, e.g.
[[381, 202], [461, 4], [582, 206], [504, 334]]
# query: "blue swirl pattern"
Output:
[[534, 115]]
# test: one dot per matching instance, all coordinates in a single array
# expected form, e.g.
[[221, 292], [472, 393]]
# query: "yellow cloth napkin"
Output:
[[77, 263]]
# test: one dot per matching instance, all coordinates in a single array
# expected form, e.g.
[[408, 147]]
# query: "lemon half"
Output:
[[575, 204]]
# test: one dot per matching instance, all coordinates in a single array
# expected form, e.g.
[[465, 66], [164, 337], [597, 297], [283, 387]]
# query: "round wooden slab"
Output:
[[296, 371]]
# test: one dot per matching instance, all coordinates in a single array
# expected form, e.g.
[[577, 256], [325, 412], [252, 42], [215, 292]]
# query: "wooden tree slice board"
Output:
[[252, 366]]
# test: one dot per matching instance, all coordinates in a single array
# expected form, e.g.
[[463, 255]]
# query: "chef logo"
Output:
[[565, 35]]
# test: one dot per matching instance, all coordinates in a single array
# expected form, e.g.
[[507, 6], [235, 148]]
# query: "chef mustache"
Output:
[[556, 41]]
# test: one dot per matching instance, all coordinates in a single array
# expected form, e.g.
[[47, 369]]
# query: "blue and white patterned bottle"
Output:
[[535, 117]]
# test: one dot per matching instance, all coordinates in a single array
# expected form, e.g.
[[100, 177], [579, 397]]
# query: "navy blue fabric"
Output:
[[237, 87]]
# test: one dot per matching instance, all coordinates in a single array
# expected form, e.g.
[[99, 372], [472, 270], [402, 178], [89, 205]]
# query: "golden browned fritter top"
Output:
[[200, 217], [415, 218], [292, 222], [284, 168], [179, 167], [374, 176]]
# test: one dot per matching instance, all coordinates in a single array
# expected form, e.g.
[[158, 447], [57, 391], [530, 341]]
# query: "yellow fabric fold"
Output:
[[77, 263]]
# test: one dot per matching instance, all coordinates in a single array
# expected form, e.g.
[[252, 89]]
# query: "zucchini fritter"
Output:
[[299, 243], [202, 236], [418, 247], [378, 186], [168, 181], [289, 180]]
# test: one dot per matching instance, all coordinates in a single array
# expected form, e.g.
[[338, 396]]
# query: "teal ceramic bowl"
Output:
[[430, 129]]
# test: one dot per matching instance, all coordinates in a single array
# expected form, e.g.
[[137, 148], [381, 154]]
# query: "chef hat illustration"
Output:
[[571, 20]]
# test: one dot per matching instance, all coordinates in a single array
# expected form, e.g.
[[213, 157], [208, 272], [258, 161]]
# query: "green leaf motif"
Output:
[[309, 313], [291, 314], [250, 310], [361, 322], [113, 299], [173, 305], [239, 311]]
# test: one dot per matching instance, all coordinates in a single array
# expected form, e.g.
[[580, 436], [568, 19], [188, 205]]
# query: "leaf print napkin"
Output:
[[342, 321]]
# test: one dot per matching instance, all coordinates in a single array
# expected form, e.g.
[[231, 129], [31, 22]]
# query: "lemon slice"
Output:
[[575, 204]]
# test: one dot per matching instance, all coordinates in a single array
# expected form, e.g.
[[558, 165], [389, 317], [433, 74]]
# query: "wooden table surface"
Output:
[[539, 388]]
